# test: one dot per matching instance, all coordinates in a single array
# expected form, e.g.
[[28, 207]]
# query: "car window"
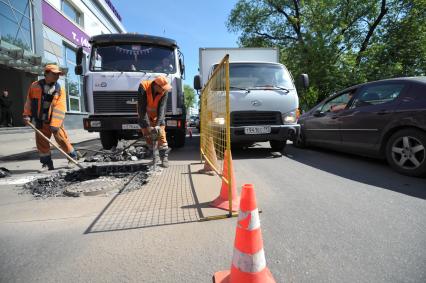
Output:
[[378, 94], [338, 103]]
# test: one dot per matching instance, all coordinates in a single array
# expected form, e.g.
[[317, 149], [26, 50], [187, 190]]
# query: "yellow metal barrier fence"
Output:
[[215, 140]]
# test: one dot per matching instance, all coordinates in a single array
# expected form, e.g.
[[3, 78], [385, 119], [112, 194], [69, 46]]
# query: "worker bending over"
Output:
[[46, 106], [152, 102]]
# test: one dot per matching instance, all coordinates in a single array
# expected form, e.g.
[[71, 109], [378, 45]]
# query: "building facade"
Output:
[[36, 32]]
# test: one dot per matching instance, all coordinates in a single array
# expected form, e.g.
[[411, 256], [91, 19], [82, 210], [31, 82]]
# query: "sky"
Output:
[[193, 24]]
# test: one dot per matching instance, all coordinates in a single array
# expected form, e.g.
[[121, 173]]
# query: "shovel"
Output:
[[57, 147]]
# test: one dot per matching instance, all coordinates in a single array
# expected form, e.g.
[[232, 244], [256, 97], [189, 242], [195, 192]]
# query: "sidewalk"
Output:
[[22, 139]]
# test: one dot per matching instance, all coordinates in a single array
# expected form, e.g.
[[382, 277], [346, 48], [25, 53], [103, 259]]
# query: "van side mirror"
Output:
[[79, 60], [304, 78], [197, 82]]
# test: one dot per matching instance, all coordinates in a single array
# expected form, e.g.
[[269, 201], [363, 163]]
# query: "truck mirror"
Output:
[[197, 82], [182, 69], [304, 78], [78, 70], [79, 57]]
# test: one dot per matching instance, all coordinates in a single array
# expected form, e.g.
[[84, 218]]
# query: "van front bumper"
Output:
[[278, 133]]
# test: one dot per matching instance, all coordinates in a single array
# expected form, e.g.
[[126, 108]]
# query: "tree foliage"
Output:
[[337, 42], [189, 96]]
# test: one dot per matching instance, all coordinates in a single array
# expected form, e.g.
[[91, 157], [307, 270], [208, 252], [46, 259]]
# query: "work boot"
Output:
[[48, 166], [148, 153], [164, 156]]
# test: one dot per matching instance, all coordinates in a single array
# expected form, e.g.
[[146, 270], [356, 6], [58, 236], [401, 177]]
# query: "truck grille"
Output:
[[118, 102], [250, 118], [114, 102]]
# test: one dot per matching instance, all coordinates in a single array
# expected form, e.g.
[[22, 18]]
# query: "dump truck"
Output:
[[116, 65], [263, 98]]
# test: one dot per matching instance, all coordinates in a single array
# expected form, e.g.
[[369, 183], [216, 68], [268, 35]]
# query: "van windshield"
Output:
[[253, 75], [133, 58]]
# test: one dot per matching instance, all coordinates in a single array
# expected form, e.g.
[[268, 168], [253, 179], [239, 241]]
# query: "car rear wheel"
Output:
[[406, 152], [278, 145]]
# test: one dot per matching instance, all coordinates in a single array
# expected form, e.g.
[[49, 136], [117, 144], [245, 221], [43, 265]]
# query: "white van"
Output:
[[263, 98]]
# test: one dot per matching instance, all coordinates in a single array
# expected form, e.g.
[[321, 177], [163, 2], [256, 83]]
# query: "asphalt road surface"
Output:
[[327, 217]]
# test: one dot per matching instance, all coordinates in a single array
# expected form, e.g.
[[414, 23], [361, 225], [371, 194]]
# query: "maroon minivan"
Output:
[[384, 119]]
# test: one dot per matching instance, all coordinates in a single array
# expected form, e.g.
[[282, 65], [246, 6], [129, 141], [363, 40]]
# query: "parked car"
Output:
[[383, 119]]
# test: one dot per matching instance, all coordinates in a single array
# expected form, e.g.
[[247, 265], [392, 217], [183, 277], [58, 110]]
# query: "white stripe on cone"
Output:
[[254, 219], [249, 263]]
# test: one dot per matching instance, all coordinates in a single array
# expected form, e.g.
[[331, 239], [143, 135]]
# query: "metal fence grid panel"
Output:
[[215, 119]]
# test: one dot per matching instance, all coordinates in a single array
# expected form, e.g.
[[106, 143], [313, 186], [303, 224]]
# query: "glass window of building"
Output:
[[72, 81], [16, 22], [71, 12]]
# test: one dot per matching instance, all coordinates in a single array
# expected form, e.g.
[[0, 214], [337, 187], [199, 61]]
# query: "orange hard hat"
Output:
[[53, 68], [163, 83]]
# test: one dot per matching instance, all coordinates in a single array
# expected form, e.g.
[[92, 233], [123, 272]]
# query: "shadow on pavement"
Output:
[[366, 170], [33, 154]]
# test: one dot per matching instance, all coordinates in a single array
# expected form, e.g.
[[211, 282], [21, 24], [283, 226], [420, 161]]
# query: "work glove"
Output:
[[26, 119], [156, 130]]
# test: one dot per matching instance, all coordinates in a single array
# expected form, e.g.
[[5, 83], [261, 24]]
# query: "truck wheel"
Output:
[[278, 145], [109, 139], [179, 139], [406, 152]]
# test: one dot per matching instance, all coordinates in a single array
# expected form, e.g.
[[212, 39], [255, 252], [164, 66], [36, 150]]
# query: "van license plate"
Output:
[[130, 127], [257, 130]]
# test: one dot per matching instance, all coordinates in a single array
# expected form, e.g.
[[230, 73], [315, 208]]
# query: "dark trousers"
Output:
[[6, 117]]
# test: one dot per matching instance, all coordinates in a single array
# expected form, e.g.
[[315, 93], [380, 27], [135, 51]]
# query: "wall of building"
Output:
[[51, 34]]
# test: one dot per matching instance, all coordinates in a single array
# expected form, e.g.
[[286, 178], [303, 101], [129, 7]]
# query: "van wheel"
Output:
[[300, 141], [278, 145], [406, 152], [109, 139]]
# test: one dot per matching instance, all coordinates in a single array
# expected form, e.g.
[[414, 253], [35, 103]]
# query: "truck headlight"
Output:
[[291, 117]]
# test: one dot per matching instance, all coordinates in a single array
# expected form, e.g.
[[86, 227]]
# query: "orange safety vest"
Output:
[[34, 105], [151, 103]]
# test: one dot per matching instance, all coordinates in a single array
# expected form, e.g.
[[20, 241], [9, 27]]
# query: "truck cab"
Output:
[[117, 65]]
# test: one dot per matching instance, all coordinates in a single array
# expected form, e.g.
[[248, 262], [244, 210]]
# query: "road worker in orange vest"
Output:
[[152, 101], [46, 106]]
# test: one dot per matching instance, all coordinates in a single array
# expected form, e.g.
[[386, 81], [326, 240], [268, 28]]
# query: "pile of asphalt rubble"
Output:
[[124, 178], [130, 154]]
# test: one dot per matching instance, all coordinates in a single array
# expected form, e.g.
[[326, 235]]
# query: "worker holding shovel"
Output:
[[46, 106], [152, 102]]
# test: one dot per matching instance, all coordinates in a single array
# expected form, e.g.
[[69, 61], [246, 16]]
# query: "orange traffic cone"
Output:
[[211, 156], [222, 201], [248, 261]]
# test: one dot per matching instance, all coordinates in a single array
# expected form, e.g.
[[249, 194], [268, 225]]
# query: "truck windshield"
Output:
[[133, 58], [253, 75]]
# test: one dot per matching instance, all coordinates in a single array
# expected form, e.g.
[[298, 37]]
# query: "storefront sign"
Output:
[[56, 21]]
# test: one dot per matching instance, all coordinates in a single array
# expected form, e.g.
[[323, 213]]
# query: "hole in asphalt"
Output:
[[94, 180]]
